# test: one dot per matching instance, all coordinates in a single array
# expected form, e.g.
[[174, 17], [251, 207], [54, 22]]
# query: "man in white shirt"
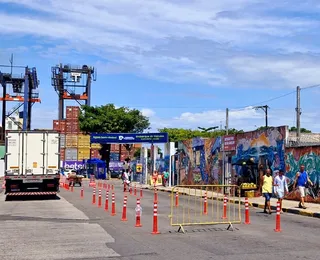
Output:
[[280, 187]]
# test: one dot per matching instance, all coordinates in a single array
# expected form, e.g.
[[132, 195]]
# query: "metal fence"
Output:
[[205, 205]]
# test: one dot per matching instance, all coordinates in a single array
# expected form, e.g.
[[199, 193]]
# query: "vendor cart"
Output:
[[74, 179]]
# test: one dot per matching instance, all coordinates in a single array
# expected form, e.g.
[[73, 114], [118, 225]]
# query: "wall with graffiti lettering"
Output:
[[198, 161], [265, 147], [310, 158]]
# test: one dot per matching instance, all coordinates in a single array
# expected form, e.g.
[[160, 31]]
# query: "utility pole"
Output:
[[227, 121], [298, 110], [225, 166], [265, 109]]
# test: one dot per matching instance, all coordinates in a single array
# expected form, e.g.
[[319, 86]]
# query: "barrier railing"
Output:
[[205, 205]]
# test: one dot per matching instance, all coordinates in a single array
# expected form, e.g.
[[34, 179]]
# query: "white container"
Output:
[[71, 154], [32, 153], [62, 141]]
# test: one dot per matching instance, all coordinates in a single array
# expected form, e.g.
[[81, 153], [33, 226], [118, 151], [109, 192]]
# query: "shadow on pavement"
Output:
[[32, 198]]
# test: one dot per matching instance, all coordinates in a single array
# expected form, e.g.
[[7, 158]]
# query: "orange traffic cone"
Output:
[[205, 204], [113, 210], [247, 215], [94, 196], [278, 220], [138, 214], [124, 209], [106, 206], [177, 199], [224, 207], [155, 219], [82, 193], [99, 199]]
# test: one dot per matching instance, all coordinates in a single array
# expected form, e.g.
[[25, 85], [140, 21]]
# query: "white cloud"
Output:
[[232, 43], [148, 112], [246, 119]]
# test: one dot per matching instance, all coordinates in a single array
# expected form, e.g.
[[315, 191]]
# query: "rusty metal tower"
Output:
[[72, 83]]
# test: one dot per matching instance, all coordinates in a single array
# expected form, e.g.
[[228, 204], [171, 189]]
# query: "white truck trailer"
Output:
[[32, 163]]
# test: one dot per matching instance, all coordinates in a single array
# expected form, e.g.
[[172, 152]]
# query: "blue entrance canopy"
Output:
[[119, 138]]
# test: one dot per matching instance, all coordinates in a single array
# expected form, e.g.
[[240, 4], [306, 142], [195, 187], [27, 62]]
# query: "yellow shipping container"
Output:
[[84, 141], [83, 153], [71, 140], [96, 146]]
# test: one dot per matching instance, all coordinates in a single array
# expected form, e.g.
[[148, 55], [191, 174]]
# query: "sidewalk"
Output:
[[289, 206]]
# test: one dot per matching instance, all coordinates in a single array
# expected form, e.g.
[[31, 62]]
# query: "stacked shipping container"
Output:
[[75, 146]]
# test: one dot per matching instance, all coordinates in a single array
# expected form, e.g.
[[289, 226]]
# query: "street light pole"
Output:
[[265, 109]]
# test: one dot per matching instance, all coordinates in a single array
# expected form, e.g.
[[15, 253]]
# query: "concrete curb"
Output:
[[258, 205]]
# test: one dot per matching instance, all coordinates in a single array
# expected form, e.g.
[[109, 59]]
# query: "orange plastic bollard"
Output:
[[124, 187], [141, 194], [278, 220], [82, 193], [224, 207], [205, 204], [130, 189], [135, 190], [113, 210], [72, 185], [106, 206], [247, 214], [124, 209], [177, 199], [155, 219], [138, 214], [99, 199], [94, 196], [112, 187], [155, 195]]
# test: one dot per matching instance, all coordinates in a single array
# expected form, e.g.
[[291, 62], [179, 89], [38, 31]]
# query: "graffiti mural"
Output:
[[310, 158], [264, 147], [199, 161]]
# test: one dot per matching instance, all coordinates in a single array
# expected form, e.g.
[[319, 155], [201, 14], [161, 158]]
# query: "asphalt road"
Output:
[[73, 228]]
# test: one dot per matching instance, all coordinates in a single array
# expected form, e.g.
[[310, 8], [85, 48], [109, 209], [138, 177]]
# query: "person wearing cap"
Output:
[[280, 187]]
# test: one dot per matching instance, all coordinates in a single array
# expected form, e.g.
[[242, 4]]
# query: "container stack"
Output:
[[75, 146]]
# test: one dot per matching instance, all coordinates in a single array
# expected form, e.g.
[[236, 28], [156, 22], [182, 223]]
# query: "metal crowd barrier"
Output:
[[205, 205]]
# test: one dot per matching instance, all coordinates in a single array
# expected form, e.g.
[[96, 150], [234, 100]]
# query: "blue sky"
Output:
[[181, 62]]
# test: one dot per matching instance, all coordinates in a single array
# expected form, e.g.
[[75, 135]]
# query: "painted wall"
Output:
[[310, 157], [266, 147], [199, 162]]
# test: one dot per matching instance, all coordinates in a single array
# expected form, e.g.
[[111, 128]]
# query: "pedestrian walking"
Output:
[[302, 182], [267, 185], [280, 187]]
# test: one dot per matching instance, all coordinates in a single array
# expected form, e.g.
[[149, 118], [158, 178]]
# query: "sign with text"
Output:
[[73, 165], [113, 138], [229, 142]]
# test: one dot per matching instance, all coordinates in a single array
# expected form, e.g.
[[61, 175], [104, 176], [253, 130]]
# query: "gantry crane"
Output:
[[72, 83], [18, 88]]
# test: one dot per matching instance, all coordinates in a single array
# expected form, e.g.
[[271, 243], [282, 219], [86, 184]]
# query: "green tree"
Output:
[[181, 134], [109, 119], [138, 151], [302, 130]]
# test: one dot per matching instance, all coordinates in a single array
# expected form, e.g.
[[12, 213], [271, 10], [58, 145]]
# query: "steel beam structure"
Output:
[[72, 83]]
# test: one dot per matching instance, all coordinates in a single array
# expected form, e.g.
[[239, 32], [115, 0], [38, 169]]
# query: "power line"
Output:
[[314, 86], [232, 109]]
